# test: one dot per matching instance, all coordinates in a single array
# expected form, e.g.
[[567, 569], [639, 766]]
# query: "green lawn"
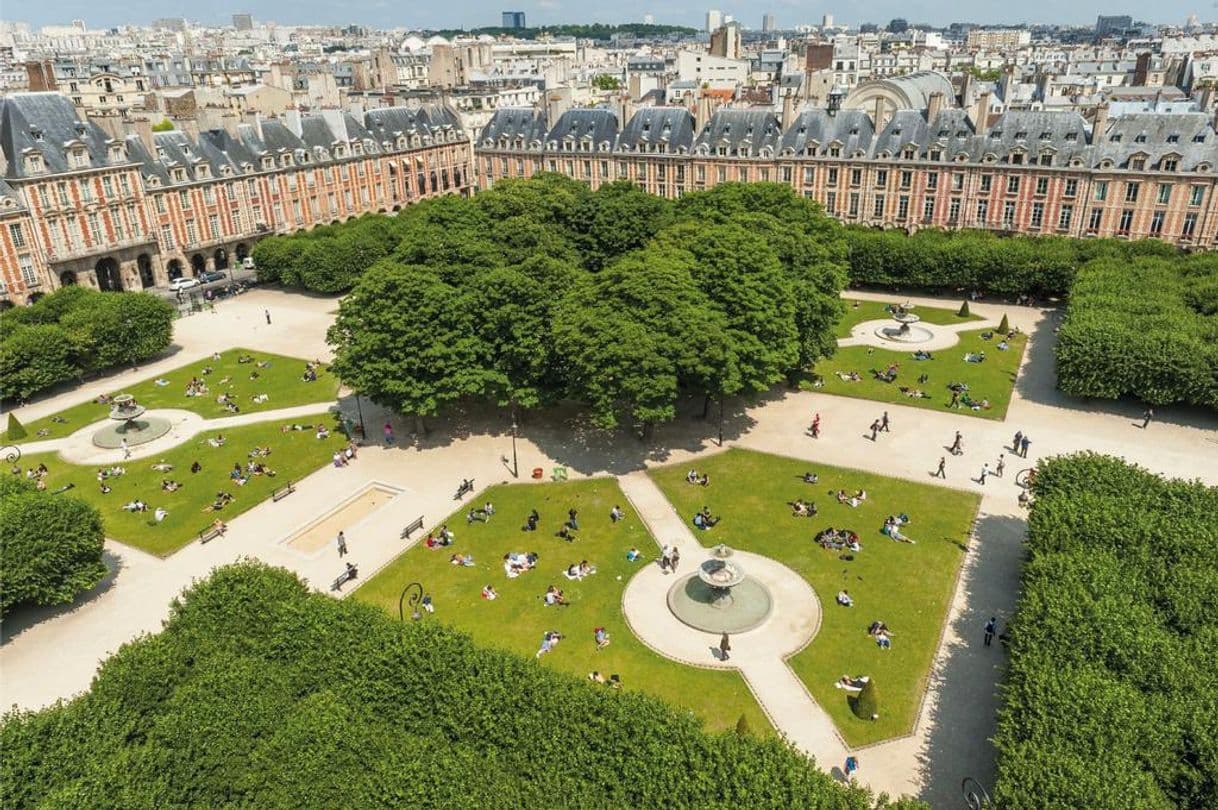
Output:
[[294, 455], [518, 618], [906, 586], [859, 311], [282, 381], [993, 379]]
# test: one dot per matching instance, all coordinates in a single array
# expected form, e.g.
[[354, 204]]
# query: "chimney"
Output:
[[981, 116], [934, 106], [142, 126], [40, 76], [702, 118], [877, 115], [1099, 124], [788, 110], [1206, 100]]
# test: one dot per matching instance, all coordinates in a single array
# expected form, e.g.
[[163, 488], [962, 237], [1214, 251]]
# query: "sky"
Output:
[[473, 13]]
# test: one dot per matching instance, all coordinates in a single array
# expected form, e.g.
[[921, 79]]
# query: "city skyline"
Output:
[[787, 14]]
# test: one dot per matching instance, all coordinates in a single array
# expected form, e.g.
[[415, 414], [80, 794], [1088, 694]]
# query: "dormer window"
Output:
[[186, 149], [1174, 137], [1137, 163], [996, 134], [1072, 136], [1045, 136], [935, 154], [835, 151], [1199, 137], [179, 175], [1116, 138], [943, 133], [37, 133], [1021, 135], [34, 164], [1169, 164], [1141, 138], [268, 162]]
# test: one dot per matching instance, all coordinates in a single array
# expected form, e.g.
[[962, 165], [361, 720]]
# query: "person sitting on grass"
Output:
[[633, 555], [169, 485], [596, 677], [800, 508], [704, 480], [691, 477], [195, 467], [849, 376], [135, 506], [922, 354], [974, 357], [258, 399], [548, 642], [601, 636], [105, 490], [466, 560], [852, 684], [811, 478], [844, 599], [554, 596], [434, 542], [565, 533], [704, 520], [163, 466], [322, 432], [876, 628], [339, 459], [244, 358], [217, 441], [488, 592], [160, 514]]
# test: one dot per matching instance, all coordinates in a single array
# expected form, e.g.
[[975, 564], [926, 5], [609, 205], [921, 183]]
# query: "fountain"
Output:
[[720, 597], [905, 331], [127, 424]]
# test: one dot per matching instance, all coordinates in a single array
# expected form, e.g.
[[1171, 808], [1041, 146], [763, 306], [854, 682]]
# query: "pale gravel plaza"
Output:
[[52, 653]]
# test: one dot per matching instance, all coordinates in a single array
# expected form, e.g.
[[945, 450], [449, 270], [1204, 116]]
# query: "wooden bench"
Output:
[[212, 532], [283, 492], [415, 526], [342, 579], [467, 485]]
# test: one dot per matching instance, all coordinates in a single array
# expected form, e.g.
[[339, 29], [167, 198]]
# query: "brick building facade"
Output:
[[110, 204], [1133, 176]]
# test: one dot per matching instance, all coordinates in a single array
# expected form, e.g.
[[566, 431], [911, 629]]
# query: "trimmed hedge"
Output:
[[979, 260], [1112, 690], [1146, 328], [50, 546], [76, 331], [261, 694]]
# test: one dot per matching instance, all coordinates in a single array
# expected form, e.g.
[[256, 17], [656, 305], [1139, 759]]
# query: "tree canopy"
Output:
[[541, 290], [1112, 693], [258, 693]]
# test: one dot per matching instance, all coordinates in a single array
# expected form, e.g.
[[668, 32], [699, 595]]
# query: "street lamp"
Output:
[[974, 794], [515, 467], [415, 589], [363, 432], [720, 420]]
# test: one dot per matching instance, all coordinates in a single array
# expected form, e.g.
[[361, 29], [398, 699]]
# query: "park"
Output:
[[622, 536]]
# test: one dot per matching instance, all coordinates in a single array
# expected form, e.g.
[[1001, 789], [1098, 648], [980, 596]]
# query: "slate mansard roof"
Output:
[[1060, 138]]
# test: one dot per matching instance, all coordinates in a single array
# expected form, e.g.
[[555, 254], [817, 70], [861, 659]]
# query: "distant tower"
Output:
[[243, 22], [767, 23], [513, 20], [826, 21], [714, 19]]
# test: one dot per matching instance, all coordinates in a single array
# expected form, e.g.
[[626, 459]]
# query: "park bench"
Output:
[[212, 532], [467, 485], [342, 579], [414, 526], [283, 492]]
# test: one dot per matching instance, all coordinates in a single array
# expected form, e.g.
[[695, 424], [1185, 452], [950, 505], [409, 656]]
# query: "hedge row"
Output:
[[1147, 328], [260, 694], [50, 545], [952, 261], [1111, 696], [77, 331]]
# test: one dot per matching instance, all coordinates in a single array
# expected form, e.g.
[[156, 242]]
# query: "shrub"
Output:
[[742, 727], [15, 430], [1110, 690], [259, 693], [50, 548], [963, 312], [867, 703], [1004, 325]]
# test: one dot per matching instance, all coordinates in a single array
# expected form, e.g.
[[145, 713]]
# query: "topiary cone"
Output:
[[866, 705], [16, 430], [963, 312], [1005, 325], [742, 727]]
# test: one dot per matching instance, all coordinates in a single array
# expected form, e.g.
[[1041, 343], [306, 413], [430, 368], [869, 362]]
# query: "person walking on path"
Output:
[[725, 647], [341, 540], [985, 470], [940, 473], [388, 433], [1002, 465], [852, 765], [815, 426], [126, 450], [884, 423], [665, 557], [875, 429], [957, 447], [267, 313], [1147, 415], [1023, 446], [991, 627], [674, 558]]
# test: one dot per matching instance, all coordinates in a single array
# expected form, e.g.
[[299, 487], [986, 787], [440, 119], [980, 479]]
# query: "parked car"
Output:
[[212, 275], [183, 283]]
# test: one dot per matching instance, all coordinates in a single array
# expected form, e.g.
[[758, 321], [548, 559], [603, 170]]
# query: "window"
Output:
[[932, 180], [987, 182], [953, 209], [1126, 221], [192, 233], [1190, 225], [983, 210], [856, 177], [809, 174], [95, 230], [1156, 223], [1038, 215], [17, 234], [1013, 184], [831, 201], [878, 209], [1164, 194], [209, 195], [1064, 217], [1008, 214], [928, 208], [958, 181], [86, 191], [1097, 216], [906, 179], [1169, 164], [107, 186], [833, 177], [213, 226], [116, 222], [1195, 195], [26, 263], [167, 237], [1071, 188], [1131, 192], [62, 188], [903, 207], [1101, 190], [854, 205], [881, 178], [184, 200], [1042, 185]]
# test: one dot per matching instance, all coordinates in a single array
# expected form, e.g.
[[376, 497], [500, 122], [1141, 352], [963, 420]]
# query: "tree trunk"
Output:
[[706, 401], [420, 427]]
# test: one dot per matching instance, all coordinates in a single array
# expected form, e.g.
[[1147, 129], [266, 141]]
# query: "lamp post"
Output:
[[975, 796], [515, 467], [362, 431], [415, 589], [720, 420]]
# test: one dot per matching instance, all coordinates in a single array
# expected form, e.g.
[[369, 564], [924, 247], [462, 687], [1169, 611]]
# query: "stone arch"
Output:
[[109, 277], [174, 269], [198, 264], [67, 278], [144, 263], [243, 251], [221, 258]]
